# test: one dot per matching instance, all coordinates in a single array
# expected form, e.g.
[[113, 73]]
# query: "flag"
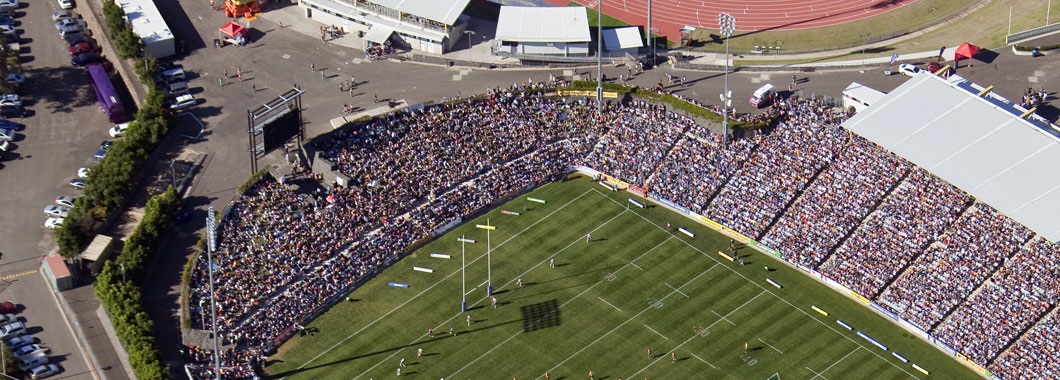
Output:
[[894, 57]]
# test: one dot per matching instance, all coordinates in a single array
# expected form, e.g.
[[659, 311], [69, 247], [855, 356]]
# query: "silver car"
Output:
[[7, 134], [65, 200], [56, 211]]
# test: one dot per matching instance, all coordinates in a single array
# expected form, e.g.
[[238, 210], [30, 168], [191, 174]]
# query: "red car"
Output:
[[83, 47], [7, 307]]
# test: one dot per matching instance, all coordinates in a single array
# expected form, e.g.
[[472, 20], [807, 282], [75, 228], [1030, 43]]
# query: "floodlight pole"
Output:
[[727, 25], [211, 242], [599, 60], [469, 33]]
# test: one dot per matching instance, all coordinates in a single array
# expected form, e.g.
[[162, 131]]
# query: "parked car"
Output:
[[61, 14], [7, 20], [70, 30], [7, 134], [53, 223], [75, 38], [84, 47], [65, 200], [182, 102], [83, 172], [106, 144], [12, 330], [13, 111], [8, 124], [8, 318], [10, 100], [44, 371], [66, 22], [17, 342], [85, 59], [33, 361], [100, 154], [77, 183], [908, 69], [119, 130], [29, 349], [66, 4], [7, 307], [5, 146], [56, 211], [15, 78], [8, 30]]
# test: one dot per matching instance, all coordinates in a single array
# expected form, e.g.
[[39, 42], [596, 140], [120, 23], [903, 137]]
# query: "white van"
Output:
[[174, 75], [763, 96]]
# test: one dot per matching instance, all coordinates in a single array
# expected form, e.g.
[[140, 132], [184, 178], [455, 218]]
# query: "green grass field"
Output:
[[635, 286]]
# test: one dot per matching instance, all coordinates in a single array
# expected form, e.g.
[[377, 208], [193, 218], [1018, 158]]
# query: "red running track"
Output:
[[669, 16]]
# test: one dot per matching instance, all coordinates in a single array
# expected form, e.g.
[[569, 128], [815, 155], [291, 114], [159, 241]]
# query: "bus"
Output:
[[105, 94]]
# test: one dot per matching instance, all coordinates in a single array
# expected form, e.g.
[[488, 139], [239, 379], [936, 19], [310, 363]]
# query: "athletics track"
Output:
[[669, 16]]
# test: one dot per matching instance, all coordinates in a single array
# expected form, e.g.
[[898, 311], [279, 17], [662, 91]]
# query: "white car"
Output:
[[182, 102], [119, 130], [83, 172], [65, 200], [53, 223], [12, 330], [908, 69], [7, 134], [10, 100], [5, 145], [66, 4]]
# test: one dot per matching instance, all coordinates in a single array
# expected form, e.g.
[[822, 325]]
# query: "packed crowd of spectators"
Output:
[[836, 202], [1035, 356], [783, 163], [632, 145], [415, 172], [1014, 297], [962, 258], [920, 208]]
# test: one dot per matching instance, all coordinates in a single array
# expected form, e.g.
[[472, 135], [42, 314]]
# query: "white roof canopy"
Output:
[[977, 144], [379, 33], [543, 24], [443, 11], [622, 38]]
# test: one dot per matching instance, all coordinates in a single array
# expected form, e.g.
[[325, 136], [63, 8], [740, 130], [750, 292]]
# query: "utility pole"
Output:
[[727, 24], [599, 57], [211, 243]]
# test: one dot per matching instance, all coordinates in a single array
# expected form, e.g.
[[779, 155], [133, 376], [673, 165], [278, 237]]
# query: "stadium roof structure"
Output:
[[443, 11], [978, 143], [543, 24], [622, 38]]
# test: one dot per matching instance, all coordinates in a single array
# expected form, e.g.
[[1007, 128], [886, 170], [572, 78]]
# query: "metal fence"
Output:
[[1031, 33]]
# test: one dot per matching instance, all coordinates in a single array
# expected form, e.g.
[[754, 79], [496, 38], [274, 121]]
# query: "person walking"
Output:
[[591, 375], [401, 363], [649, 352], [519, 282], [312, 67], [253, 87], [673, 356], [419, 352], [469, 319], [552, 263], [226, 74], [430, 332], [587, 237], [493, 300]]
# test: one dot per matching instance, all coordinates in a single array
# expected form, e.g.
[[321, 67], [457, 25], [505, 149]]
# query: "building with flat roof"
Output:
[[984, 144], [556, 31], [147, 22], [432, 26], [623, 41]]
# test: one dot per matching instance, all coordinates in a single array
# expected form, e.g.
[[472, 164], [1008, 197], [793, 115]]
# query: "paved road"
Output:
[[63, 132], [67, 126]]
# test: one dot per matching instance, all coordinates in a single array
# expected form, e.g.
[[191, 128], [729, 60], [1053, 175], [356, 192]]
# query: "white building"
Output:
[[432, 26], [147, 22], [622, 41], [561, 31], [860, 96]]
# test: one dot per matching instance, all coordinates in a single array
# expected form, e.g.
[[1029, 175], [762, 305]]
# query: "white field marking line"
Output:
[[609, 304], [635, 265], [826, 325], [483, 283], [576, 240], [656, 332], [569, 301], [471, 291], [771, 346], [649, 307], [436, 284], [837, 362], [722, 318], [678, 291], [696, 334], [704, 361], [817, 373]]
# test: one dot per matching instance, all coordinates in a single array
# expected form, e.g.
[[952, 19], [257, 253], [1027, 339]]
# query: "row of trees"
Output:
[[105, 192]]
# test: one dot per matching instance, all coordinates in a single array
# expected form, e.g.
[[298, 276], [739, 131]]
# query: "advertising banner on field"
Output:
[[640, 192]]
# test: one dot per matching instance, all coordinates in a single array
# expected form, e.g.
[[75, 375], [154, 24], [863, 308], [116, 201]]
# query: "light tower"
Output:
[[727, 25]]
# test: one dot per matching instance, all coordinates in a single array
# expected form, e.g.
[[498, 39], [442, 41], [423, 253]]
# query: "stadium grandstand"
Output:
[[840, 198]]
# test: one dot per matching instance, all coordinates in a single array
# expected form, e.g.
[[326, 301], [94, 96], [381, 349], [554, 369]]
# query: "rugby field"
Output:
[[632, 287]]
